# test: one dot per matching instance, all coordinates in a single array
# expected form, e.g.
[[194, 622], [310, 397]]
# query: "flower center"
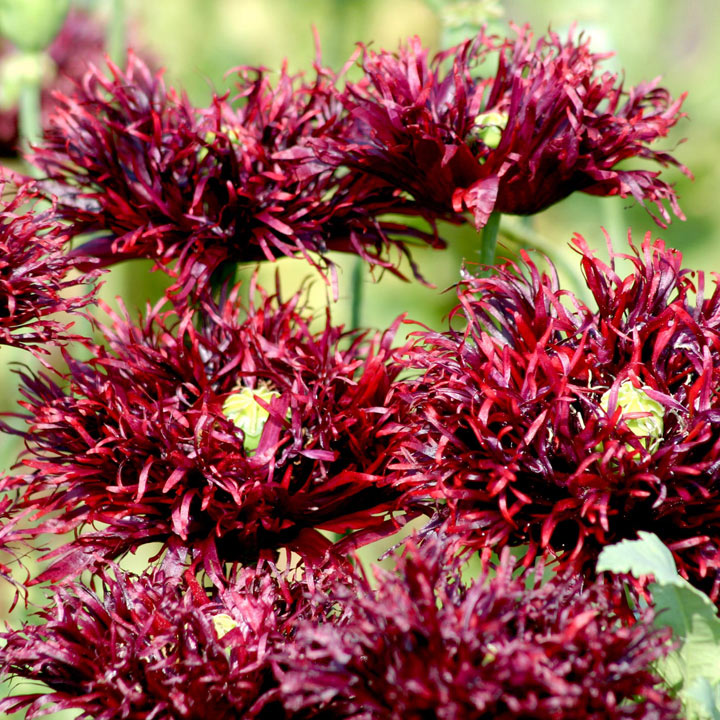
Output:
[[211, 136], [248, 415], [642, 414], [488, 128], [223, 624]]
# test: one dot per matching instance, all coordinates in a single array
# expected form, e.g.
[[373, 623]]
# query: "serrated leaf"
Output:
[[646, 556], [694, 667], [694, 621]]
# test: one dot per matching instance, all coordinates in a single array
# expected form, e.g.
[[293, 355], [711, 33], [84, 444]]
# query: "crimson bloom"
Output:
[[566, 428], [241, 435], [153, 176], [156, 647], [547, 124], [422, 644], [36, 278]]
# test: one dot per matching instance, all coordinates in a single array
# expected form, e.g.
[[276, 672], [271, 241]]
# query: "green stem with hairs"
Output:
[[489, 241], [356, 293], [116, 35], [30, 123], [223, 279]]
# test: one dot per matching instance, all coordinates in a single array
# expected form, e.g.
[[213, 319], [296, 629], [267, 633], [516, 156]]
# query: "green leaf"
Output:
[[693, 668], [694, 621], [647, 556], [704, 700]]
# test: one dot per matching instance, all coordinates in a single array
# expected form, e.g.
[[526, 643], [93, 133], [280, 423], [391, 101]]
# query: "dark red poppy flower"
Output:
[[36, 276], [548, 123], [80, 40], [232, 437], [155, 647], [153, 176], [567, 428], [422, 644]]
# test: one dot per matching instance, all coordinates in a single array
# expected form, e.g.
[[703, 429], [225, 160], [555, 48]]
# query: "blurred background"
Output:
[[198, 41]]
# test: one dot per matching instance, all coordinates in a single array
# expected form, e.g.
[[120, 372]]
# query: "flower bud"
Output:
[[247, 414], [31, 25]]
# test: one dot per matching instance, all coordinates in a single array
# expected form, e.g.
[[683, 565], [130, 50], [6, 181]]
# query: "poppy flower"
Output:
[[567, 428], [155, 646], [150, 175], [420, 643], [230, 434], [37, 280], [547, 123]]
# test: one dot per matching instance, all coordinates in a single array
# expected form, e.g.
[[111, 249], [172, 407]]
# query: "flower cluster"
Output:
[[422, 640], [8, 518], [36, 275], [238, 435], [155, 177], [567, 428], [332, 646]]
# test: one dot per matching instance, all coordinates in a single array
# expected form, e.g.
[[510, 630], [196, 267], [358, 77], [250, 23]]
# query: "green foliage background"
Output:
[[197, 41]]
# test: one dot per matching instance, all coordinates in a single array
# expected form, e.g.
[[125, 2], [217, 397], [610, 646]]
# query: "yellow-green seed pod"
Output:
[[633, 401], [247, 414], [488, 128], [223, 624], [31, 25], [210, 138]]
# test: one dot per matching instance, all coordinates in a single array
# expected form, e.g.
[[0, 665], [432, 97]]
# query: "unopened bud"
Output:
[[18, 70], [32, 25]]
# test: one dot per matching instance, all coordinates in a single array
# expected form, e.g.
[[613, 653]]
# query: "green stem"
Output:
[[489, 241], [521, 235], [223, 279], [30, 122], [356, 290], [116, 39]]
